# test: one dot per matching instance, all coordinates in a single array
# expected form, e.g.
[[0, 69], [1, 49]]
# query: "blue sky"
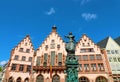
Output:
[[96, 18]]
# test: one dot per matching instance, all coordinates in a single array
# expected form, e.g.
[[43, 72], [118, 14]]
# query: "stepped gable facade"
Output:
[[93, 66], [50, 53], [19, 65], [47, 63]]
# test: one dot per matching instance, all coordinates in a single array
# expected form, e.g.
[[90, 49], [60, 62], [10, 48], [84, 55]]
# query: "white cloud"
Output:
[[84, 1], [50, 12], [3, 62], [89, 16]]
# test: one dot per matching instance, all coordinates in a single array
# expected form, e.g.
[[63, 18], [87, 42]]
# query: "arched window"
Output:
[[40, 78], [18, 79], [56, 78], [10, 79], [101, 79], [83, 79], [26, 80]]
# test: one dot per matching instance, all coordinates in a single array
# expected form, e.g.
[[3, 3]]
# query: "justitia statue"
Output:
[[70, 46], [71, 60]]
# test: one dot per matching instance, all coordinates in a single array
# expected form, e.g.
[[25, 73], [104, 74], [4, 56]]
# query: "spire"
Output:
[[54, 28]]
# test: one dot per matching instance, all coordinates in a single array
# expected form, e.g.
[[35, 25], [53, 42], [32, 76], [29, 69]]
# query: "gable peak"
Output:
[[54, 28]]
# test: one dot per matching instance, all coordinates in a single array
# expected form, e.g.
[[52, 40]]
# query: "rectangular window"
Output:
[[119, 78], [13, 67], [58, 46], [115, 79], [93, 67], [21, 50], [110, 59], [27, 50], [59, 59], [86, 67], [16, 57], [88, 44], [119, 59], [98, 57], [85, 57], [46, 47], [23, 58], [45, 59], [101, 66], [80, 67], [112, 51], [113, 67], [21, 68], [92, 57], [52, 57], [90, 50], [52, 44], [79, 57], [52, 41], [38, 61], [115, 59], [83, 50], [118, 67], [30, 59], [108, 51], [116, 52], [83, 44], [28, 68]]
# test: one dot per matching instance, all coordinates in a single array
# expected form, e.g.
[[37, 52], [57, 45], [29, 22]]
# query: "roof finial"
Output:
[[54, 28]]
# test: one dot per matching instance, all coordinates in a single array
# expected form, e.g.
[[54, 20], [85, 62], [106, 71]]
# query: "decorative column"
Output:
[[71, 61]]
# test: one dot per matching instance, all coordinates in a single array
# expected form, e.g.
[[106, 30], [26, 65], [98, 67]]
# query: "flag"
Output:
[[50, 71]]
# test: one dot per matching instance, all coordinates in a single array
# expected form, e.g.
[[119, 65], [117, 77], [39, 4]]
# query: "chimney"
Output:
[[54, 28]]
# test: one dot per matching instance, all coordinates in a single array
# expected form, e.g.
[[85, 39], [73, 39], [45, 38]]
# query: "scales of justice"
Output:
[[71, 61]]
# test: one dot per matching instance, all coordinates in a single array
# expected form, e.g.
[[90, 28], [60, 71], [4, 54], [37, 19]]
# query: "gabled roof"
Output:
[[103, 43], [117, 40], [54, 30], [83, 36], [27, 36]]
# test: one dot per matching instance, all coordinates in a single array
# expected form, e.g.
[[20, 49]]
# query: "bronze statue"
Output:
[[70, 46], [71, 60]]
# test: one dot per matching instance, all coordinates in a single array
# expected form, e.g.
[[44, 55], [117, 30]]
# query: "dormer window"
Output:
[[21, 50]]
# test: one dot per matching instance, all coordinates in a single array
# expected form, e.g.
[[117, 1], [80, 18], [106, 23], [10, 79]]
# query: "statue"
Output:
[[71, 60], [70, 46]]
